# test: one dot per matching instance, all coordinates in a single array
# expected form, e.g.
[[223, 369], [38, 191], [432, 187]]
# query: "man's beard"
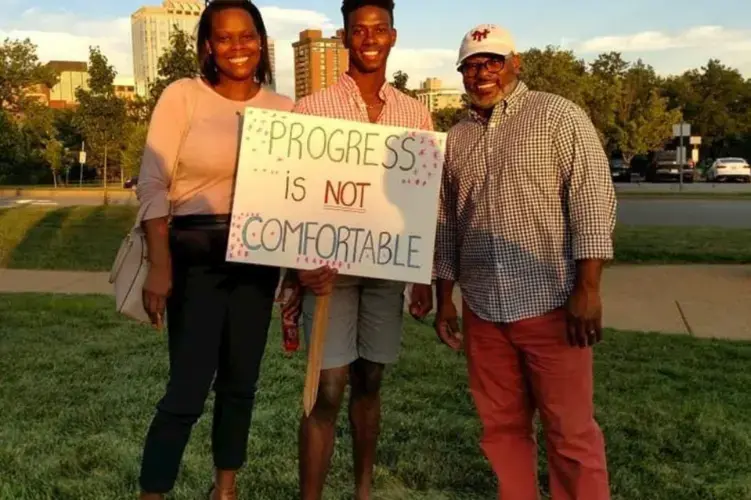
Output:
[[485, 104]]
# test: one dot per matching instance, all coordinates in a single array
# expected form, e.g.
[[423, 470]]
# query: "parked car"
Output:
[[131, 183], [620, 171], [728, 169], [664, 167]]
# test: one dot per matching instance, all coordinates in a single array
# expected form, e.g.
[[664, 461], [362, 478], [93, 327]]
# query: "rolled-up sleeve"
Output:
[[168, 121], [590, 195], [446, 261]]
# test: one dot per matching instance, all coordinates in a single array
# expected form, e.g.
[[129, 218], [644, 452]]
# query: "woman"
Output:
[[218, 312]]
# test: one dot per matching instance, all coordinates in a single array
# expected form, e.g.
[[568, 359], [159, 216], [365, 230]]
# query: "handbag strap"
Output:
[[175, 165]]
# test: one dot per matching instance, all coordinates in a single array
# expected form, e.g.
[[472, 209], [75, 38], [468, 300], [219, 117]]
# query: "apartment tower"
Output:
[[435, 96], [318, 61], [272, 59], [72, 75], [151, 28]]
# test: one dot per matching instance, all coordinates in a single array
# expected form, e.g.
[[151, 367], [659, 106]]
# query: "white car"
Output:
[[724, 169]]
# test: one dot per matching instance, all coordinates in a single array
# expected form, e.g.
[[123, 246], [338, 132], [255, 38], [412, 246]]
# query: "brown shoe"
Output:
[[225, 485]]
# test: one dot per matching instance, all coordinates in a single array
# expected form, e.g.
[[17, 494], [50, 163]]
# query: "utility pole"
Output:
[[81, 163], [681, 130]]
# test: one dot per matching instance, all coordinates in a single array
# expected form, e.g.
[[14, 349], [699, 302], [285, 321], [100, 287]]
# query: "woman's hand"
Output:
[[156, 289]]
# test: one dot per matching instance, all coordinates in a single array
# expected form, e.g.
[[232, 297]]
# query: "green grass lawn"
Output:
[[87, 238], [79, 384]]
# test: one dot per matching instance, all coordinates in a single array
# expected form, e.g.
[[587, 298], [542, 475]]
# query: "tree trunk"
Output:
[[106, 198]]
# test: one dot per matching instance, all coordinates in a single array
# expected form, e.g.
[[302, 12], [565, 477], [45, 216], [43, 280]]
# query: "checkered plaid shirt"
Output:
[[525, 194], [343, 100]]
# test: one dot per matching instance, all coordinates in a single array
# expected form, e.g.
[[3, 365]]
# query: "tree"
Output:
[[54, 155], [647, 128], [715, 101], [556, 71], [602, 96], [101, 115], [444, 119], [643, 122], [179, 61], [400, 83], [10, 153], [20, 71], [133, 152]]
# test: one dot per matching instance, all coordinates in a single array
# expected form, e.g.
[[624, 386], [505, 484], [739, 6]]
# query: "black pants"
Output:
[[217, 318]]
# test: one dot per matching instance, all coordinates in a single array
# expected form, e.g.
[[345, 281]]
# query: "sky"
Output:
[[671, 36]]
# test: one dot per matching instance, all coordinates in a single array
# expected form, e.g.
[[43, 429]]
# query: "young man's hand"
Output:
[[320, 281], [447, 325], [421, 300]]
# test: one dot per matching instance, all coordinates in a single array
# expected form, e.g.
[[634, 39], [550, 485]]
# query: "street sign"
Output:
[[695, 140], [82, 157], [682, 130]]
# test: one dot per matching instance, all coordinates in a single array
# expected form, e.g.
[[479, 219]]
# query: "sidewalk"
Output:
[[714, 300]]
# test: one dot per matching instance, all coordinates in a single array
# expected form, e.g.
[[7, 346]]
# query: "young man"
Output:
[[365, 317], [525, 225]]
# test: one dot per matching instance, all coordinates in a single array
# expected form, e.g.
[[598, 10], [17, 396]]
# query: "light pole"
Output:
[[681, 130]]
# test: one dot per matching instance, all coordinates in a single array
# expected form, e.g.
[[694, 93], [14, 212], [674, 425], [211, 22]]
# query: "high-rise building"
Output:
[[318, 61], [151, 29], [71, 75], [272, 59], [124, 87], [434, 96]]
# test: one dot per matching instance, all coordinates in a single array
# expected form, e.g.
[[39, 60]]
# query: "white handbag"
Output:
[[131, 265], [129, 272]]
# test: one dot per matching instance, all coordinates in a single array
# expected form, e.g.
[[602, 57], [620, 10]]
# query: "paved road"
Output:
[[661, 212], [696, 187]]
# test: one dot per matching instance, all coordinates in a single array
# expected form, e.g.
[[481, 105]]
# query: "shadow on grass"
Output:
[[71, 238]]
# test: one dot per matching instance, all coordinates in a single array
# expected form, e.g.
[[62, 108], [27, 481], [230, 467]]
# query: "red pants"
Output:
[[519, 367]]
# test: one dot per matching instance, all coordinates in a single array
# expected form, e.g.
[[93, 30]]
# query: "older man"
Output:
[[526, 221]]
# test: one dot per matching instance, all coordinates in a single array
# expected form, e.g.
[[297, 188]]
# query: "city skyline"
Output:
[[672, 40]]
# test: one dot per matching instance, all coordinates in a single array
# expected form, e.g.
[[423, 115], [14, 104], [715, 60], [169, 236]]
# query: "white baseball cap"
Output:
[[486, 39]]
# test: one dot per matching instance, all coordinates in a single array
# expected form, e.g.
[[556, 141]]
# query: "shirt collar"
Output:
[[508, 106], [386, 92]]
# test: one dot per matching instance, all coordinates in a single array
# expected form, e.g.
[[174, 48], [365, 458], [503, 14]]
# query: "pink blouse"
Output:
[[207, 160]]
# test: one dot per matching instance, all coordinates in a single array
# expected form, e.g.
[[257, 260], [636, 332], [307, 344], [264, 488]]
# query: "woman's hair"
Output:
[[206, 61], [349, 6]]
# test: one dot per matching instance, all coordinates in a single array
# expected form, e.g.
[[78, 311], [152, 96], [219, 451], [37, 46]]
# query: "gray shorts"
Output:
[[365, 321]]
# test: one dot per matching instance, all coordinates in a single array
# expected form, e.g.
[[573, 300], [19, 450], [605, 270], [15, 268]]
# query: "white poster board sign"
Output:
[[360, 197]]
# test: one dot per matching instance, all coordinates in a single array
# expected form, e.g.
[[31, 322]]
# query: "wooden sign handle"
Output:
[[315, 352]]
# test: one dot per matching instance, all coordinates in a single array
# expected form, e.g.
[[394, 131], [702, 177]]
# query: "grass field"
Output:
[[79, 385], [86, 238]]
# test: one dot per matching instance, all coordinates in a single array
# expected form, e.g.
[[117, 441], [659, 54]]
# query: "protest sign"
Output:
[[360, 197]]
